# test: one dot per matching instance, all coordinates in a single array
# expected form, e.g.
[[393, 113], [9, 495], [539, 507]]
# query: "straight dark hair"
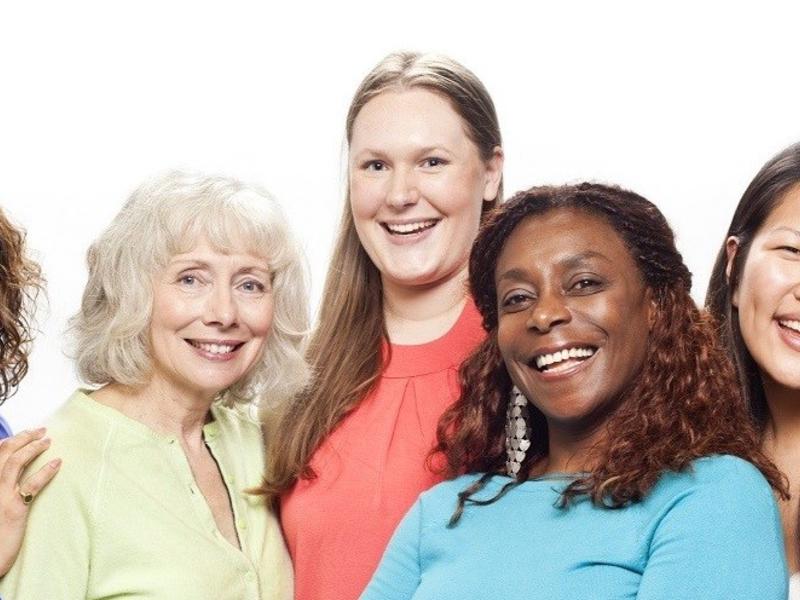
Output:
[[762, 196]]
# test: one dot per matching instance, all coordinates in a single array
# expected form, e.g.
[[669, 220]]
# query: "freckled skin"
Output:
[[566, 278]]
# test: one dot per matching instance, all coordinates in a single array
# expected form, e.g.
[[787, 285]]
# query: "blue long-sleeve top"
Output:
[[710, 532]]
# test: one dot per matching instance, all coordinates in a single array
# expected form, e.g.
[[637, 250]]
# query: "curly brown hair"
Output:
[[684, 404], [20, 284]]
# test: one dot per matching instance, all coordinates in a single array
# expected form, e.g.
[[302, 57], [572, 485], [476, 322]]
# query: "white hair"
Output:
[[166, 216]]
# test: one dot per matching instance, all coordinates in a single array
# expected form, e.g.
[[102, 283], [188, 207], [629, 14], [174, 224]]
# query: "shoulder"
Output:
[[236, 423], [723, 473], [439, 503], [79, 431], [724, 489]]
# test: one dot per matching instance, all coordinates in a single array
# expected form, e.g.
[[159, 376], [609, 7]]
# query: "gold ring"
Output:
[[26, 498]]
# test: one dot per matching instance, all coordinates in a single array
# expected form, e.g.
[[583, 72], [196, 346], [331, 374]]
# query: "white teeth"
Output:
[[214, 348], [407, 228], [793, 325], [556, 357]]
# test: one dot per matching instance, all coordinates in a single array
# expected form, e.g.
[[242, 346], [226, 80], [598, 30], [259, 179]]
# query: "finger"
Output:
[[17, 461], [34, 484], [14, 443]]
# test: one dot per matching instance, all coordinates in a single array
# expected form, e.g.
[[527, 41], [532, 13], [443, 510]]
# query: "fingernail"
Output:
[[41, 430], [55, 463]]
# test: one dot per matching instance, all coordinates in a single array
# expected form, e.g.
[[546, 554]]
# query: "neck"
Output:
[[783, 423], [571, 451], [162, 408], [419, 314]]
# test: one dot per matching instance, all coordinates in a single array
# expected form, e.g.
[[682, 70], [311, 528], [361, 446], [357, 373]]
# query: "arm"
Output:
[[15, 453], [719, 540], [398, 574]]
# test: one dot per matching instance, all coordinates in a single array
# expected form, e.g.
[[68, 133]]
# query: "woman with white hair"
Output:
[[195, 305]]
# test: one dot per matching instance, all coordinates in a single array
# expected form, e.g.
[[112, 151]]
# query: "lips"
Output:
[[409, 228]]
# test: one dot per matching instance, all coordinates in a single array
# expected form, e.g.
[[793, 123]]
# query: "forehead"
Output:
[[206, 250], [416, 115], [787, 211], [558, 236]]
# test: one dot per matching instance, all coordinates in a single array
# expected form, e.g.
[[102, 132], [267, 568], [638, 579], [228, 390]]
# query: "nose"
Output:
[[402, 189], [221, 309], [549, 311]]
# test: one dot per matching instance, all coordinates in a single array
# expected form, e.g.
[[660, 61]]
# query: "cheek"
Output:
[[171, 313], [762, 284], [364, 197], [508, 330], [258, 317]]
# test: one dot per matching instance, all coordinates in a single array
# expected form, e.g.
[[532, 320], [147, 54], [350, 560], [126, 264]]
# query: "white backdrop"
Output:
[[679, 102]]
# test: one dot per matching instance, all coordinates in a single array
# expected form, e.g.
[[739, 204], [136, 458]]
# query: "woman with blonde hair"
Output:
[[424, 167], [195, 306], [20, 283]]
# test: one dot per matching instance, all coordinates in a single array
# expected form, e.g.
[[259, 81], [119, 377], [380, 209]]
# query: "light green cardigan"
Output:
[[124, 516]]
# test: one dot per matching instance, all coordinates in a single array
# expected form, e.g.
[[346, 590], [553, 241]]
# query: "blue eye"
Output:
[[253, 286], [187, 280]]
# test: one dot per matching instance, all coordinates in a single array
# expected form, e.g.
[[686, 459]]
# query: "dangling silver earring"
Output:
[[518, 431]]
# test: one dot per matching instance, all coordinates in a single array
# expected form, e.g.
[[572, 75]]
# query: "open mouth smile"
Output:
[[217, 350], [790, 324], [562, 360], [409, 228]]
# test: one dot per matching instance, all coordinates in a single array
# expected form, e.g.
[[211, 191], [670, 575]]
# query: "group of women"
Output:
[[582, 429]]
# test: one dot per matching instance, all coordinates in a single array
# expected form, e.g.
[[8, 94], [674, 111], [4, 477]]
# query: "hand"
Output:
[[15, 453]]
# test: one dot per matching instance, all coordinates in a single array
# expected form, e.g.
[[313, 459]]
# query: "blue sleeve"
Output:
[[720, 540], [398, 574]]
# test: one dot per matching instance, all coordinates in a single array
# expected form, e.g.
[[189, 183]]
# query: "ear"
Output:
[[494, 174], [731, 248]]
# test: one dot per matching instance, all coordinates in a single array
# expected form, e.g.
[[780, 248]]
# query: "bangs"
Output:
[[240, 223]]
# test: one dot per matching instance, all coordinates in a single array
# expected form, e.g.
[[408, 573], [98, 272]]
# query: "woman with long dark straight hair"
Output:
[[754, 293], [348, 457]]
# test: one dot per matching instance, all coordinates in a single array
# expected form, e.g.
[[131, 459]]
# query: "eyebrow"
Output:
[[785, 228], [189, 263], [571, 262], [430, 149]]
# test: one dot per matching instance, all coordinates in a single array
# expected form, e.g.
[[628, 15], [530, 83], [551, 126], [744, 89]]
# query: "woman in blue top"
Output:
[[602, 448]]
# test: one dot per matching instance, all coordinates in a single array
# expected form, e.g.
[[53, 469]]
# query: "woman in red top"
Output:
[[348, 457]]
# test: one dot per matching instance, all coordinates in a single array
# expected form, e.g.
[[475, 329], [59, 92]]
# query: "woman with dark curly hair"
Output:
[[600, 448], [20, 281], [754, 293]]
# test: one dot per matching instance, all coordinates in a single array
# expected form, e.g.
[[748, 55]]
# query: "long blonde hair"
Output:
[[345, 349]]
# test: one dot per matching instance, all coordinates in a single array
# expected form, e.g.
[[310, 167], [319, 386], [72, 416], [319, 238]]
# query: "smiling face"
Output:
[[417, 186], [768, 294], [573, 316], [211, 317]]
